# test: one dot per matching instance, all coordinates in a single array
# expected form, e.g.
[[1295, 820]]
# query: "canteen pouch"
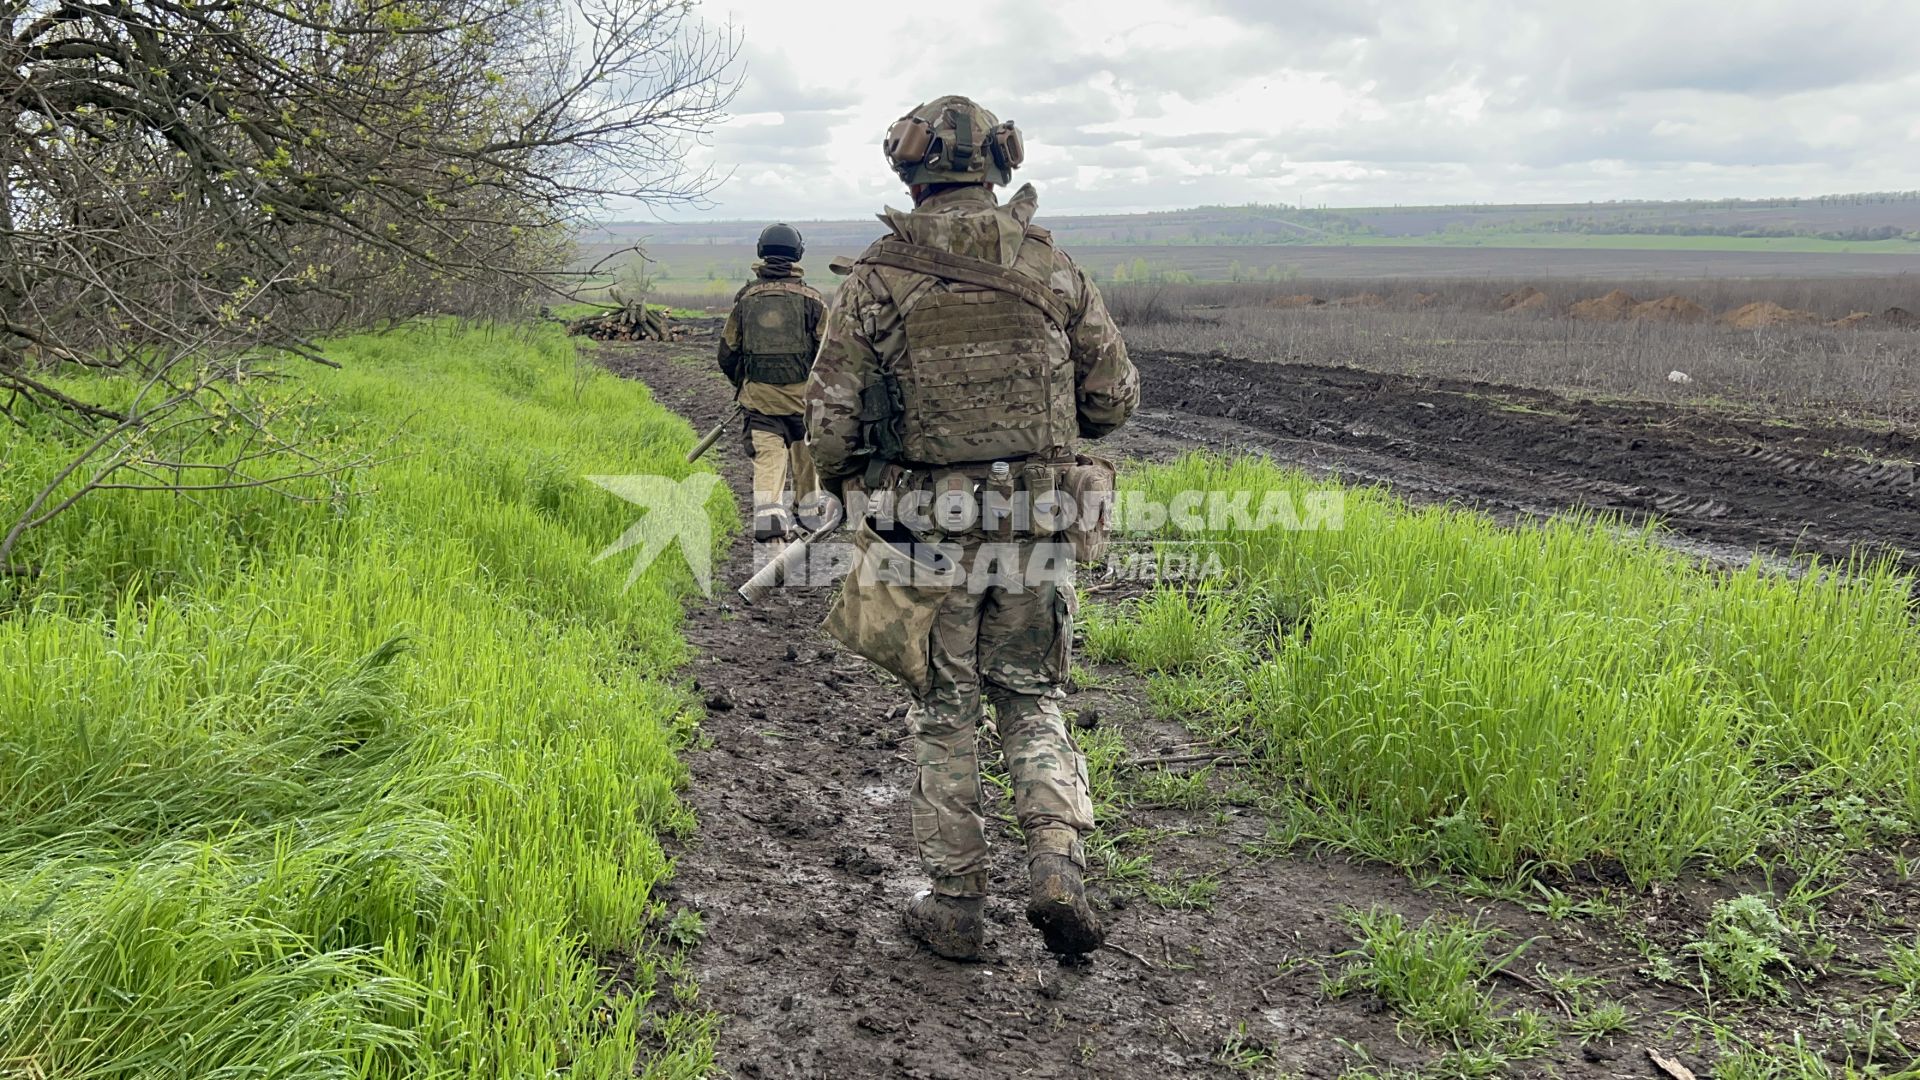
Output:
[[1042, 482], [886, 606]]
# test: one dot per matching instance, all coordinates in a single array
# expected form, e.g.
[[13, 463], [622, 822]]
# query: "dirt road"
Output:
[[1224, 926]]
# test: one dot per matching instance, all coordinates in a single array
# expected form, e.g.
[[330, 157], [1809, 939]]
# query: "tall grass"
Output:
[[1439, 687], [367, 786]]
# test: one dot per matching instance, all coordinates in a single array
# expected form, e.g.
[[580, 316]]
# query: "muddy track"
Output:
[[803, 859], [1727, 481]]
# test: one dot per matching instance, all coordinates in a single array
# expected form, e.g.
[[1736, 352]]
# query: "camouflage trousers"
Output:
[[1008, 648]]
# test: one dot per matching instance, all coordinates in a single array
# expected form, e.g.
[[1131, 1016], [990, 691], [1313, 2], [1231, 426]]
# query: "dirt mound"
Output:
[[1425, 299], [1767, 313], [1297, 300], [1365, 299], [1853, 321], [1618, 304], [1669, 309], [1530, 298], [1900, 317], [1535, 304]]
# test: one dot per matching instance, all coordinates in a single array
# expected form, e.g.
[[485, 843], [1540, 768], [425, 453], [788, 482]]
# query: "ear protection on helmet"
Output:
[[908, 141], [1009, 149]]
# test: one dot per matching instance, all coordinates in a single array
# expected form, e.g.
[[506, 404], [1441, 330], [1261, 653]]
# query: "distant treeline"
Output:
[[1681, 228]]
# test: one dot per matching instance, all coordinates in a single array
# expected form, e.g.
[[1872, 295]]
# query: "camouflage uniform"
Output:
[[1010, 645], [772, 430]]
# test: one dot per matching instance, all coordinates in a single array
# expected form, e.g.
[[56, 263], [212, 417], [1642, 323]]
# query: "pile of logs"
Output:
[[633, 320]]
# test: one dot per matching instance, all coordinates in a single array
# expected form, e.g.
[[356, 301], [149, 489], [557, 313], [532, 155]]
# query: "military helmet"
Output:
[[782, 241], [951, 140]]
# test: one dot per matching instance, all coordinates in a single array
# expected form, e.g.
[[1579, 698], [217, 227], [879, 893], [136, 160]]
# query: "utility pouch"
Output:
[[1089, 482], [887, 604], [880, 418]]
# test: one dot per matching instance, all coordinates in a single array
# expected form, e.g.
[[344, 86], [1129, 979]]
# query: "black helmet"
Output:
[[782, 241]]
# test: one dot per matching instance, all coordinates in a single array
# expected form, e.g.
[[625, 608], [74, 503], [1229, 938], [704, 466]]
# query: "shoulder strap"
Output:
[[970, 271]]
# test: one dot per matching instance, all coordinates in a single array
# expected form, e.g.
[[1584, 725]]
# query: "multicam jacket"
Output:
[[866, 334]]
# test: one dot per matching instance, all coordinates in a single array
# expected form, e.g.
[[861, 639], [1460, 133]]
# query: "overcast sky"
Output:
[[1162, 104]]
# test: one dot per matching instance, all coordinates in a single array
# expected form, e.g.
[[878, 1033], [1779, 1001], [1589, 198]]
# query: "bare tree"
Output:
[[190, 186]]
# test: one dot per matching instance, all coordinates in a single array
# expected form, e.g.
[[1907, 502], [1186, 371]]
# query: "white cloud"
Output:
[[1155, 104]]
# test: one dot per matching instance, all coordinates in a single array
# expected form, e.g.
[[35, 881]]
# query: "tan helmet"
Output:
[[951, 140]]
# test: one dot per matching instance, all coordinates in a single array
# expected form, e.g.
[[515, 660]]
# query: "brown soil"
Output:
[[1669, 309], [1298, 300], [1899, 317], [1728, 481], [1526, 294], [1853, 321], [1535, 304], [1425, 299], [1767, 313], [803, 856], [1618, 304]]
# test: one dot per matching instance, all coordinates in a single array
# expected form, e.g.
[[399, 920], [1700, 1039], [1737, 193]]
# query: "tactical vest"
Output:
[[773, 337], [986, 374]]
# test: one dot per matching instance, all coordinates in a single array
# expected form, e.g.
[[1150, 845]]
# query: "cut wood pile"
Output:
[[631, 321]]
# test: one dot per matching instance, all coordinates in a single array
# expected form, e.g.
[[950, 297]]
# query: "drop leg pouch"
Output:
[[887, 603]]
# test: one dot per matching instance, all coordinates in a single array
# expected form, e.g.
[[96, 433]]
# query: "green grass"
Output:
[[1435, 977], [1433, 687], [368, 786]]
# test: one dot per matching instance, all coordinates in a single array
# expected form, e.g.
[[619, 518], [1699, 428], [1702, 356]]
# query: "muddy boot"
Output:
[[1058, 908], [953, 926]]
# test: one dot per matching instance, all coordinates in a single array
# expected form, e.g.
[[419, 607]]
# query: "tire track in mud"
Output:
[[803, 859]]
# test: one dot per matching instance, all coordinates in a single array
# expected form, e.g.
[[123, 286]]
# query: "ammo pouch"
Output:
[[1089, 483], [886, 607]]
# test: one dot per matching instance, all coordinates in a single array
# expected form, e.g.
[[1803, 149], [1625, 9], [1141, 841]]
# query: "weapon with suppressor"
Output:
[[782, 566], [706, 441]]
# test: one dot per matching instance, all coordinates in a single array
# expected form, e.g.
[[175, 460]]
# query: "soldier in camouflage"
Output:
[[965, 350], [766, 350]]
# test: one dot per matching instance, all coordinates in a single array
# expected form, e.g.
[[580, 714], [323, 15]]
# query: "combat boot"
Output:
[[1057, 906], [953, 926]]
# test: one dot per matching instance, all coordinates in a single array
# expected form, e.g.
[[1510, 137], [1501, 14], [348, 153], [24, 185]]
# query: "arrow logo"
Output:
[[676, 512]]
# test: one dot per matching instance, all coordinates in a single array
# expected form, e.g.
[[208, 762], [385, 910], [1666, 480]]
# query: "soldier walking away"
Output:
[[963, 354], [766, 350]]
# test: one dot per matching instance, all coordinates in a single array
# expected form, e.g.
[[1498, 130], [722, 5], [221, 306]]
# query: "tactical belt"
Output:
[[968, 270], [982, 469]]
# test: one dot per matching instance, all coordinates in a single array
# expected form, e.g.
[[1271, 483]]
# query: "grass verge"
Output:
[[373, 785], [1436, 688]]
